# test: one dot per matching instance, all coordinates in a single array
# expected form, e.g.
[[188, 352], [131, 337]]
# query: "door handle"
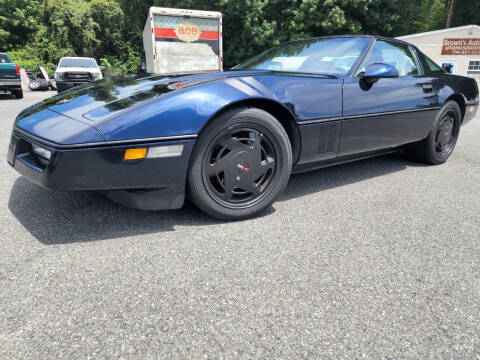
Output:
[[427, 88]]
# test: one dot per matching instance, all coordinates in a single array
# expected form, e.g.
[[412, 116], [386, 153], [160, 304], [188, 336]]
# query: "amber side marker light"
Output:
[[163, 151], [135, 154]]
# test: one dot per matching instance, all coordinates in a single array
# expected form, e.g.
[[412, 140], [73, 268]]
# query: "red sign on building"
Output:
[[461, 47]]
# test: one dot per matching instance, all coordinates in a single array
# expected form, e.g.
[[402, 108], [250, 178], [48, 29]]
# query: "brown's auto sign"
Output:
[[461, 47]]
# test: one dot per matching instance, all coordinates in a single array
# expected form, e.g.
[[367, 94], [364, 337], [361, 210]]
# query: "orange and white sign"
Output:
[[187, 32]]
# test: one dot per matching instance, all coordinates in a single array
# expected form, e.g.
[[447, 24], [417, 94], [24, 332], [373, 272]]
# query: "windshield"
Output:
[[333, 56], [4, 59], [84, 63]]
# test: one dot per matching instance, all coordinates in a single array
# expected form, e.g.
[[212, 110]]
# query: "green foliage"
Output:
[[27, 59], [128, 62], [19, 21], [42, 31], [466, 12]]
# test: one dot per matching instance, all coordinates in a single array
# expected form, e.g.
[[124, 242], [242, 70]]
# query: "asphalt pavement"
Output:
[[378, 259]]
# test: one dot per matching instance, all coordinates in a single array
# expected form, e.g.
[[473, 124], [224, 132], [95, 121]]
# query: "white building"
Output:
[[458, 47]]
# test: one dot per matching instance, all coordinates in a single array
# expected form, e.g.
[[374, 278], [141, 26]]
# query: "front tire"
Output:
[[240, 165], [439, 145]]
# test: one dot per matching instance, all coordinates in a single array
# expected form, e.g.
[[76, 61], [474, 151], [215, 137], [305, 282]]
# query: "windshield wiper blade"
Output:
[[330, 76]]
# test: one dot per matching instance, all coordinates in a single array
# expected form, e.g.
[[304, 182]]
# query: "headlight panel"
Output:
[[165, 151], [41, 151]]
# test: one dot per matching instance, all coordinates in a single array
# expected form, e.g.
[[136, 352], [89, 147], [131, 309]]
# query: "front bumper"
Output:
[[471, 111], [66, 85], [149, 184]]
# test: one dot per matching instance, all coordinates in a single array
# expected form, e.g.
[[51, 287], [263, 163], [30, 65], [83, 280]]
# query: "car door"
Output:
[[391, 111]]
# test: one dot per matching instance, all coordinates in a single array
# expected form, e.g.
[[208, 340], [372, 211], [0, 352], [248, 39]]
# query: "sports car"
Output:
[[230, 140]]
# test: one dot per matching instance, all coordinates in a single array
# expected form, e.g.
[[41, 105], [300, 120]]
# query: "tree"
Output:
[[19, 21], [112, 29], [466, 12]]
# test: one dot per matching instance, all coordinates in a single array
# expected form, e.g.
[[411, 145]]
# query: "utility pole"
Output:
[[450, 11]]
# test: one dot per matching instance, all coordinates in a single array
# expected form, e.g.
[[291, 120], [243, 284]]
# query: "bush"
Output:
[[25, 58], [128, 62]]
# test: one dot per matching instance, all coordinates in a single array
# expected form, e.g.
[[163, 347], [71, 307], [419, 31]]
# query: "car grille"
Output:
[[78, 76]]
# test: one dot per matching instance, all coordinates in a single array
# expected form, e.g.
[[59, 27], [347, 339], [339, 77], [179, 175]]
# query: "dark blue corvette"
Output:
[[231, 139]]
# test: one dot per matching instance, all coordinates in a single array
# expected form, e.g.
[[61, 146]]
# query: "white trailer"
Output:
[[183, 41]]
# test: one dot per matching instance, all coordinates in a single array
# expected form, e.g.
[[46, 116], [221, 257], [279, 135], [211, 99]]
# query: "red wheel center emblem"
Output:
[[244, 168]]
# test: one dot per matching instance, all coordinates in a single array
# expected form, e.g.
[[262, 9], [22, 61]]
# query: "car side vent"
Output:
[[327, 138], [320, 141]]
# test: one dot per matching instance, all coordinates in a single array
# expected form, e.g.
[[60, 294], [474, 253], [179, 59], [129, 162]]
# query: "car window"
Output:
[[432, 66], [395, 54], [85, 63], [334, 56], [4, 59]]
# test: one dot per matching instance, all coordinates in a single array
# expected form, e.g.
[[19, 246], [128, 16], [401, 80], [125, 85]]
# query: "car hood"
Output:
[[103, 99]]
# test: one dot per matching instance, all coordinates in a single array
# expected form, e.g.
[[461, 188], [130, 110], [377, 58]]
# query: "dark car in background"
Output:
[[230, 140], [10, 82]]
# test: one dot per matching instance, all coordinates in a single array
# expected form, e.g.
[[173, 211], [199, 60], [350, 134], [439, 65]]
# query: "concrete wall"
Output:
[[431, 45]]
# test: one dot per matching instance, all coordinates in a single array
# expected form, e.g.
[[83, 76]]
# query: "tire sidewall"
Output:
[[449, 106], [197, 190]]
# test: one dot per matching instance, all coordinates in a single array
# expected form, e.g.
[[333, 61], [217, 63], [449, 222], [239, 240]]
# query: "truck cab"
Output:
[[75, 71]]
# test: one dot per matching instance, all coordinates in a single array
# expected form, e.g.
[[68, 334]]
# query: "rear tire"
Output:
[[34, 85], [44, 84], [240, 165], [53, 84], [439, 145], [18, 94]]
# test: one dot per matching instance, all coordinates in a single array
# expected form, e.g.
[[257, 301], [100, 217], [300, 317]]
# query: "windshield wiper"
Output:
[[329, 76]]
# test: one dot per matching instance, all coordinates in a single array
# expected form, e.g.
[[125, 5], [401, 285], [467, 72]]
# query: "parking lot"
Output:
[[378, 259]]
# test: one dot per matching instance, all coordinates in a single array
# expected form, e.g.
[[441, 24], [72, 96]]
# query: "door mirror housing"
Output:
[[53, 67], [447, 67], [379, 71]]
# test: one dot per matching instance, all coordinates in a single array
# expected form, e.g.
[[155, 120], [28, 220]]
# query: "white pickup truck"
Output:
[[74, 71]]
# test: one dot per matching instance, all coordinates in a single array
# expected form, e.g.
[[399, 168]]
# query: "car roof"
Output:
[[378, 37]]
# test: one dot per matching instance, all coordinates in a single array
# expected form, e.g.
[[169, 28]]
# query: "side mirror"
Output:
[[379, 71], [53, 67], [103, 68], [447, 67]]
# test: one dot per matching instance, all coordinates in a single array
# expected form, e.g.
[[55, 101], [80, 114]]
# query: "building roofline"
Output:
[[184, 12], [438, 31]]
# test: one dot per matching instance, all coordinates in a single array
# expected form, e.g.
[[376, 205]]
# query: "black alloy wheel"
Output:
[[240, 165], [439, 145], [446, 134]]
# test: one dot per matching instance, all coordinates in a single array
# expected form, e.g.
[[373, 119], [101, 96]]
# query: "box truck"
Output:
[[182, 41]]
